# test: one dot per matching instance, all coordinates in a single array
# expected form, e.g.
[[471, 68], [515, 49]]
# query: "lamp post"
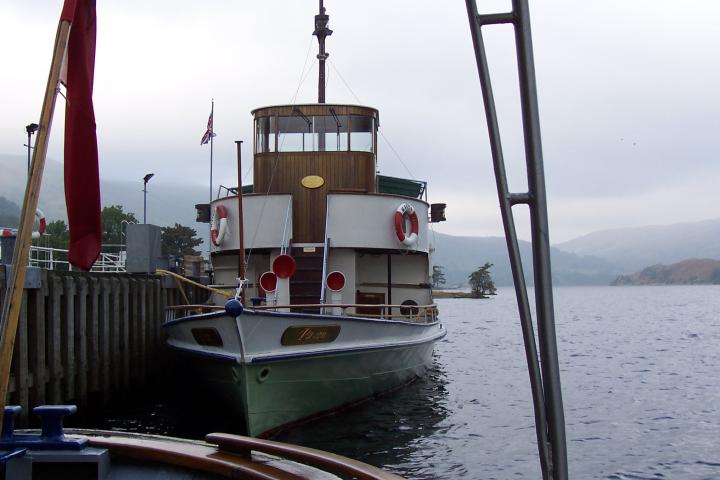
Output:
[[146, 178], [30, 129]]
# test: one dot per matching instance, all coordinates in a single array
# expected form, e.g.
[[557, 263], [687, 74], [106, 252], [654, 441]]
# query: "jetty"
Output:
[[86, 337]]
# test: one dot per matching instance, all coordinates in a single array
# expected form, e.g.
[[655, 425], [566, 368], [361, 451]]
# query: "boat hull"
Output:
[[276, 388]]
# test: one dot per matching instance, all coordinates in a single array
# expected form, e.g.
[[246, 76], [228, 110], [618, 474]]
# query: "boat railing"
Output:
[[414, 313]]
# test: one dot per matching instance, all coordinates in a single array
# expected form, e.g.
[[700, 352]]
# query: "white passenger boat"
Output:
[[328, 268]]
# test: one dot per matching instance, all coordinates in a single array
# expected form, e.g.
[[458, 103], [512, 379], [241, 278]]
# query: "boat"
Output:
[[321, 271], [55, 452]]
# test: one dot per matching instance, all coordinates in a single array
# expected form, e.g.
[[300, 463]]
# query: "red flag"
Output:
[[82, 183]]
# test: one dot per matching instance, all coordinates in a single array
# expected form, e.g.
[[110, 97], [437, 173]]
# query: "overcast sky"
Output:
[[629, 102]]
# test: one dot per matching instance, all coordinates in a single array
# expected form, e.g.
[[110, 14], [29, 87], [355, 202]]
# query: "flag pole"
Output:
[[212, 127], [241, 229], [13, 298]]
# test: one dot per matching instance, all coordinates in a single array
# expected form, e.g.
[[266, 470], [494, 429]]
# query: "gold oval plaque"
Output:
[[312, 181]]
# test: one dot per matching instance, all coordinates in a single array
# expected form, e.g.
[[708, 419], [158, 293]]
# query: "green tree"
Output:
[[113, 218], [179, 240], [438, 276], [481, 282], [57, 235]]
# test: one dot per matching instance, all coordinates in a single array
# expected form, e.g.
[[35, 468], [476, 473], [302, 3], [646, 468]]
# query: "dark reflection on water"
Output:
[[641, 383]]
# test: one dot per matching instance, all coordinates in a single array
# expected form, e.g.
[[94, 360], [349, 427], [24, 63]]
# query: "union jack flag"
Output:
[[209, 132]]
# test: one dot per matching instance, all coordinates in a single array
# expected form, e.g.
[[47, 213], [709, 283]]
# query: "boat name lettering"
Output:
[[305, 334]]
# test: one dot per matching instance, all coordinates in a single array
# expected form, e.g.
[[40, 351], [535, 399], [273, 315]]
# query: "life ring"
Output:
[[42, 224], [218, 225], [405, 238]]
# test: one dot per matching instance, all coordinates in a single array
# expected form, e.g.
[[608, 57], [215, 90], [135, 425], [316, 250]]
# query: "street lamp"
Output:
[[146, 178], [30, 129]]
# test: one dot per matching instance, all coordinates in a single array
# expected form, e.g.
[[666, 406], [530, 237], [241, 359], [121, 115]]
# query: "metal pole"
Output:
[[29, 149], [540, 241], [241, 247], [145, 202], [212, 127], [321, 31]]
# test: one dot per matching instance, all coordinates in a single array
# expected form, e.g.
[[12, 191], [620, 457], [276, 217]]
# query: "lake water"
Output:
[[641, 385]]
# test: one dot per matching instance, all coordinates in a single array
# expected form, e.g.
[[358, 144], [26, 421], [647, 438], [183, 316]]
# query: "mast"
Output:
[[322, 31]]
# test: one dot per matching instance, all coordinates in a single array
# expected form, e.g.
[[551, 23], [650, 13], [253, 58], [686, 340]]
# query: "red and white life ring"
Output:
[[406, 238], [42, 225], [218, 225]]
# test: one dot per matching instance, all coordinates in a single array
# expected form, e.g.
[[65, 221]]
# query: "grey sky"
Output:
[[628, 96]]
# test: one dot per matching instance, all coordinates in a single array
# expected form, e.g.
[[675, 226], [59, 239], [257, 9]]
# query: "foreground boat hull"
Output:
[[277, 389]]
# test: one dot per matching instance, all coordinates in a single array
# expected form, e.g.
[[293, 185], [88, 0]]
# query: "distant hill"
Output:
[[9, 213], [630, 249], [461, 255], [695, 271]]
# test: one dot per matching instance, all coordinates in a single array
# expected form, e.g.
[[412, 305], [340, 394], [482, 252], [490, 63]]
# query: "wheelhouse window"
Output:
[[362, 132], [295, 134], [265, 134], [315, 133], [332, 133]]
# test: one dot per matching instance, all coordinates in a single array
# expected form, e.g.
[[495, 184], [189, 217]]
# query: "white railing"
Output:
[[56, 259]]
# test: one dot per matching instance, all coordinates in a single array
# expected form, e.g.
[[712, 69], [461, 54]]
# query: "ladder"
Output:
[[543, 370]]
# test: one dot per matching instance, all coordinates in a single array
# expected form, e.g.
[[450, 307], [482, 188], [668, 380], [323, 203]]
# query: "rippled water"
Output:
[[640, 375]]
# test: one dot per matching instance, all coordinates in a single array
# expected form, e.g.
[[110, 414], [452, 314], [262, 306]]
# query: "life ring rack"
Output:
[[406, 238], [218, 225]]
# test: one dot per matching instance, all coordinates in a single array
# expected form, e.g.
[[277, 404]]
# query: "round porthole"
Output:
[[263, 374], [410, 309]]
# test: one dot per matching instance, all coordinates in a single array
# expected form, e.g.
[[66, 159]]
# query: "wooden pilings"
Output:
[[85, 336]]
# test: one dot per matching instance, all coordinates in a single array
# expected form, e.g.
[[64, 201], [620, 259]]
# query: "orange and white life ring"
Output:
[[218, 225], [42, 224], [409, 239]]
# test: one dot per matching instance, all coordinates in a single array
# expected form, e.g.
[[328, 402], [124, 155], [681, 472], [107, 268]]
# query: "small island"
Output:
[[694, 271], [481, 284]]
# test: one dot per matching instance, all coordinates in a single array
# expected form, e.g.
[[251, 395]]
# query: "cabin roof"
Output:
[[391, 185], [301, 105]]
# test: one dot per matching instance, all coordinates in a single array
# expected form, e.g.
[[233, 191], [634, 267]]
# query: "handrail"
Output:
[[425, 313], [309, 305], [307, 456]]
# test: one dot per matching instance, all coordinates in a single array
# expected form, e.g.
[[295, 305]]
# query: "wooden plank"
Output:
[[69, 338], [134, 322], [104, 337], [80, 340], [116, 320], [125, 347], [142, 328], [13, 304], [347, 467], [36, 334], [20, 360], [283, 172], [93, 334], [54, 339]]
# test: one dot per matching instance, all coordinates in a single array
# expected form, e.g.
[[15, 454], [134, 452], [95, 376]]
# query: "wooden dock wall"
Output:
[[85, 336]]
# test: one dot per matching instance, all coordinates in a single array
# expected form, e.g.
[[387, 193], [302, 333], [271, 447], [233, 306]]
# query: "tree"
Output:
[[179, 240], [481, 282], [438, 276], [113, 218], [57, 235]]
